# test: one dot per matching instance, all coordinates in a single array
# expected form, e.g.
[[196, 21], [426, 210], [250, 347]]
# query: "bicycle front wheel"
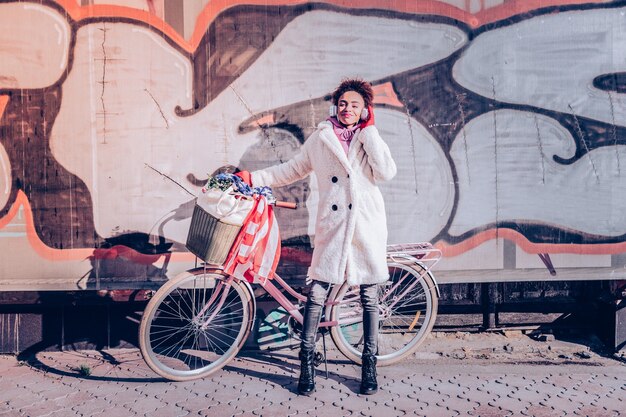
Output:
[[195, 324], [407, 306]]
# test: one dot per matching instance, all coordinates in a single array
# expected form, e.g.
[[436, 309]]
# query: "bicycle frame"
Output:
[[422, 254], [290, 307]]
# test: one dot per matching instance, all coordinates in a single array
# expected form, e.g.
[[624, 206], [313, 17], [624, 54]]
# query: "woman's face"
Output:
[[349, 108]]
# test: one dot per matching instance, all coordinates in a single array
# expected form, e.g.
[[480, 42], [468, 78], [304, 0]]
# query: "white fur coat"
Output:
[[351, 226]]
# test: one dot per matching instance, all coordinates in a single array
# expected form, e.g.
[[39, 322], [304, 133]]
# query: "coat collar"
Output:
[[328, 137]]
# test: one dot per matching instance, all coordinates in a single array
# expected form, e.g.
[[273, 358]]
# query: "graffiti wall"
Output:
[[507, 120]]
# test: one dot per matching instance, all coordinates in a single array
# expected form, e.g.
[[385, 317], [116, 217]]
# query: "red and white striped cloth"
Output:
[[255, 253]]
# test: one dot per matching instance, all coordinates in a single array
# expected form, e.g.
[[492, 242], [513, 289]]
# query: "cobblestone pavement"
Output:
[[466, 375]]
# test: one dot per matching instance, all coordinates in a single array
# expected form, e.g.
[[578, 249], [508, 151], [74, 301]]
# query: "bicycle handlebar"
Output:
[[286, 204]]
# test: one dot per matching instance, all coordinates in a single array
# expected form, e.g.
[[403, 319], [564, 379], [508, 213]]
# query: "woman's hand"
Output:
[[370, 118], [245, 176]]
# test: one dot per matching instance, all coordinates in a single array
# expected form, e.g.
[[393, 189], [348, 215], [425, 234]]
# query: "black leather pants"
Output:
[[313, 313]]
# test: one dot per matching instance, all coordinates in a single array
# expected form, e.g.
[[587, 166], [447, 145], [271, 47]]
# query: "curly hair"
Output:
[[363, 88]]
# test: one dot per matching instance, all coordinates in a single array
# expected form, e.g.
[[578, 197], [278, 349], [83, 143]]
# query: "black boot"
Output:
[[369, 385], [306, 383]]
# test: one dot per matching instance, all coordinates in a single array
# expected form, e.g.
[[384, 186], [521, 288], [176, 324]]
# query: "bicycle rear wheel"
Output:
[[407, 315], [183, 337]]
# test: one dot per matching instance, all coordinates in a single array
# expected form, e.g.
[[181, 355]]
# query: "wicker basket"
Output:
[[209, 238]]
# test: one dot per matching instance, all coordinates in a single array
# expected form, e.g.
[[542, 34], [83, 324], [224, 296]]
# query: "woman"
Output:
[[349, 158]]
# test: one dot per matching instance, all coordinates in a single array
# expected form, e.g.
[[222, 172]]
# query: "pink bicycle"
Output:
[[198, 321]]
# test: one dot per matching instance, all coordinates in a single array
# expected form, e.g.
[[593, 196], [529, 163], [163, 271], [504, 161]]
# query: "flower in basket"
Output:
[[225, 181]]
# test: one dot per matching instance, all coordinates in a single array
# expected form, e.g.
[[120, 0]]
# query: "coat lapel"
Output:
[[355, 146], [327, 135]]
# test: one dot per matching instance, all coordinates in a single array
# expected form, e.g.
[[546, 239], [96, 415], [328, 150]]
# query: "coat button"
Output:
[[350, 206], [334, 179], [334, 207]]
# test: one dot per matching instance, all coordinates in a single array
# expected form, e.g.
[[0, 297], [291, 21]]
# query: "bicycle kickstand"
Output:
[[325, 356]]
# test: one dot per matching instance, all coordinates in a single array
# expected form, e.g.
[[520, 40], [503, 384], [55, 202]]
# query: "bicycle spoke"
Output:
[[188, 338], [406, 314]]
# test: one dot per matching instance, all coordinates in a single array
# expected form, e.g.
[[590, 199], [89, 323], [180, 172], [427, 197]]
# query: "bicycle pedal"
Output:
[[318, 359]]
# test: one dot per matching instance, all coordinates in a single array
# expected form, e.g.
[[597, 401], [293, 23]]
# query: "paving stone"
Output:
[[578, 396], [381, 410], [35, 383], [281, 380], [385, 394], [544, 389], [447, 388], [24, 400], [168, 411], [126, 396], [458, 404], [541, 411], [147, 405], [498, 387], [265, 385], [316, 412], [564, 381], [431, 383], [290, 411], [512, 404], [251, 402], [613, 403], [10, 413], [301, 402], [327, 387], [490, 410], [152, 389], [419, 393], [405, 404], [395, 372], [595, 411], [467, 382], [76, 397], [333, 409], [348, 406], [12, 392], [411, 379], [564, 405], [433, 410], [527, 395], [91, 385], [13, 374], [278, 395], [114, 410], [204, 386], [609, 381], [94, 406], [195, 403], [227, 395], [595, 388], [253, 385], [218, 410], [173, 395], [67, 412], [481, 397], [271, 410], [518, 381], [55, 391], [41, 408], [110, 390]]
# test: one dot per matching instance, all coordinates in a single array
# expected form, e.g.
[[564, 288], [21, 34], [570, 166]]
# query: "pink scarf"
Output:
[[344, 134]]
